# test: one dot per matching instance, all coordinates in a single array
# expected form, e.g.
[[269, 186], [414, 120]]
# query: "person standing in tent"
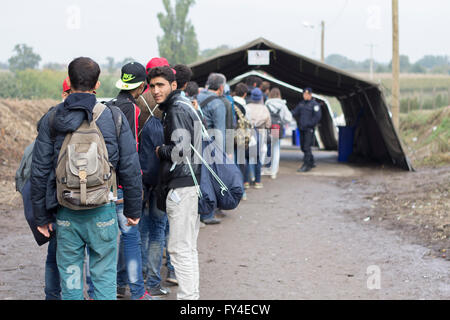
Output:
[[307, 114], [280, 116]]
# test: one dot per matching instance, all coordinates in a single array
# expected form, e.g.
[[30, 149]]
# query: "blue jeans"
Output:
[[154, 227], [129, 265], [97, 230], [52, 286]]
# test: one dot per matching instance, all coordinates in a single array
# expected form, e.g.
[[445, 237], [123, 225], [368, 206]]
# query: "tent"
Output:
[[362, 101]]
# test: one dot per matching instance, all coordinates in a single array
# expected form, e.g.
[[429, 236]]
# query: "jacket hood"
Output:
[[275, 103], [73, 111]]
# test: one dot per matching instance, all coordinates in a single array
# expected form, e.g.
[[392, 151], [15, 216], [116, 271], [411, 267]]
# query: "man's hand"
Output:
[[156, 150], [45, 229], [132, 222]]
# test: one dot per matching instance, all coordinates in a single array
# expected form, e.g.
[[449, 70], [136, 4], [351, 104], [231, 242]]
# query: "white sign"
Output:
[[258, 57]]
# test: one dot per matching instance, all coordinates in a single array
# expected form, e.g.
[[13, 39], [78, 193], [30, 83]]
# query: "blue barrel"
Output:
[[296, 137], [346, 136]]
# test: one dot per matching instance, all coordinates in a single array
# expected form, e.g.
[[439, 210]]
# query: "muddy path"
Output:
[[304, 236]]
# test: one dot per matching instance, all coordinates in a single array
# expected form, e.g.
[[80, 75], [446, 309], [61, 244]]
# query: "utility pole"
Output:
[[371, 45], [395, 65], [322, 51]]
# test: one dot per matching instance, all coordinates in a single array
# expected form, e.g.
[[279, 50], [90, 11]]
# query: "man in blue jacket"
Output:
[[307, 114], [95, 228]]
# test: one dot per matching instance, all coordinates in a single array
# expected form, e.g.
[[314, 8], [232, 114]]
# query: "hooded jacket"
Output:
[[178, 115], [121, 152], [276, 105]]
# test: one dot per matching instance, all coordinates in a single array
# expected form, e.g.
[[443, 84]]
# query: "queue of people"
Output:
[[98, 169]]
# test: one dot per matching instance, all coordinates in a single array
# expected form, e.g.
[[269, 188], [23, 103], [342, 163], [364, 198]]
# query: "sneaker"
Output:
[[211, 221], [304, 169], [148, 296], [121, 292], [171, 278], [220, 214], [273, 176], [258, 185], [244, 197], [202, 225], [158, 291], [246, 185]]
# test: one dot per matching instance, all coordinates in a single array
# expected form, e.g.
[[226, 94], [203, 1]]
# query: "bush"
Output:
[[45, 84]]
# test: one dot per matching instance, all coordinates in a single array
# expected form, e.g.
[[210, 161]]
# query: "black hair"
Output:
[[184, 75], [192, 89], [164, 72], [252, 80], [241, 89], [83, 73]]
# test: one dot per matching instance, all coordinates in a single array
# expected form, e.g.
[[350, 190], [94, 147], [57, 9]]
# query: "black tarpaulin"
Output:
[[363, 103]]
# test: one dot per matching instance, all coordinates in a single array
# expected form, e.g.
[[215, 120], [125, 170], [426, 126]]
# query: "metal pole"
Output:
[[395, 65], [322, 51]]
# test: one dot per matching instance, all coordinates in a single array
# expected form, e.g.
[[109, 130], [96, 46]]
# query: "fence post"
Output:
[[434, 98]]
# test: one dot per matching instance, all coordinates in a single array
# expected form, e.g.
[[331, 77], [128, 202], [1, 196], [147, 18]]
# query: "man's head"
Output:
[[256, 95], [254, 82], [241, 90], [191, 89], [216, 82], [307, 94], [66, 88], [156, 62], [83, 75], [265, 87], [133, 79], [183, 75], [162, 83]]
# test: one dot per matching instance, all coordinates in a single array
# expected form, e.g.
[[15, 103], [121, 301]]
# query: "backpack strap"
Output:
[[208, 100], [51, 123], [116, 114]]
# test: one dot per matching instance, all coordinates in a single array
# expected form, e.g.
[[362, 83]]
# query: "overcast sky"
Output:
[[62, 30]]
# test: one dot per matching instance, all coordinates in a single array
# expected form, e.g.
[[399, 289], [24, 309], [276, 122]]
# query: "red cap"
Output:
[[158, 62], [66, 86]]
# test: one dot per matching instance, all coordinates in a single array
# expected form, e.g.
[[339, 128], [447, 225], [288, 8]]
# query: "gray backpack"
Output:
[[84, 175]]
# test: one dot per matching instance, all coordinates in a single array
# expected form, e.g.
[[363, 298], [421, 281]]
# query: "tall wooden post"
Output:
[[395, 65], [322, 50]]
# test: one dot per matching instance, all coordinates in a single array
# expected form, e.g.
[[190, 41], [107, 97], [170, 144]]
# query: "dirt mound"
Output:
[[17, 130], [426, 135]]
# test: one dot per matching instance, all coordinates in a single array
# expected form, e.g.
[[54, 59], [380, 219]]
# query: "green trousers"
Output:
[[96, 229]]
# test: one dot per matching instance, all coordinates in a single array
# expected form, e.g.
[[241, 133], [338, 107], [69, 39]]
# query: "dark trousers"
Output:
[[306, 142]]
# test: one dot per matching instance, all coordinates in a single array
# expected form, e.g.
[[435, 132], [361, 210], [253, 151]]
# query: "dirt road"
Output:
[[304, 236]]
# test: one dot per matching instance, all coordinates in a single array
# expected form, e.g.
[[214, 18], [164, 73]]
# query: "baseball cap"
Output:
[[66, 86], [158, 62], [256, 94], [133, 75], [307, 89]]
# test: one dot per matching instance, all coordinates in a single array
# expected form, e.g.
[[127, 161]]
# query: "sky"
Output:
[[62, 30]]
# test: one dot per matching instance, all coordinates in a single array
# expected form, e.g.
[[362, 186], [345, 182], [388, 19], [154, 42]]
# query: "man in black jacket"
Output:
[[177, 173], [307, 114], [94, 228]]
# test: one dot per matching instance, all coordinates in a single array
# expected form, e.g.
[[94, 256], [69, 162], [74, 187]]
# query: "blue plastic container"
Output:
[[345, 149], [296, 137]]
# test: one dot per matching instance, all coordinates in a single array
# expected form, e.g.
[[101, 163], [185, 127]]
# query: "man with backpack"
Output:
[[215, 113], [177, 194], [129, 268], [81, 148], [280, 116]]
